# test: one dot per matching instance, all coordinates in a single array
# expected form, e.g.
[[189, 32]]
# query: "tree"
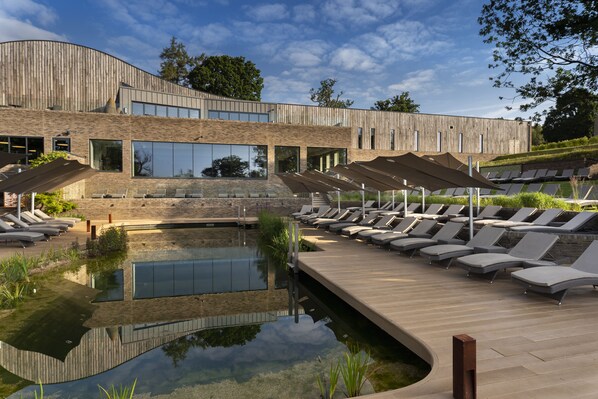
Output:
[[227, 76], [573, 116], [51, 202], [324, 95], [553, 42], [400, 103], [176, 63], [537, 136]]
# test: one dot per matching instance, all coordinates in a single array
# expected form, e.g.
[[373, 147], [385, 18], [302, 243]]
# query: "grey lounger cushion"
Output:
[[447, 232], [572, 225], [405, 225], [486, 236], [421, 230]]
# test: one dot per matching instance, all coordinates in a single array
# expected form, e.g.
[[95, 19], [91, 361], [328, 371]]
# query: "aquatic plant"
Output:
[[327, 390], [274, 236], [123, 392], [111, 240], [11, 295], [41, 392], [354, 371]]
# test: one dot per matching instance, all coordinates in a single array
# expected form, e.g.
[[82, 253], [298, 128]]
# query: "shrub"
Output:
[[274, 236], [53, 203], [111, 240]]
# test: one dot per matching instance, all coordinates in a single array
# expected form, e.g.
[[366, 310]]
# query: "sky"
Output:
[[375, 49]]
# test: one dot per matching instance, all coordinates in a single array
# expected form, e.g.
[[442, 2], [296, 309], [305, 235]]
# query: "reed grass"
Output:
[[122, 392]]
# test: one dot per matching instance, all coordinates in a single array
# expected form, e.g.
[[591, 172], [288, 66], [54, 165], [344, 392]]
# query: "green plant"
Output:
[[354, 370], [41, 392], [11, 294], [123, 392], [111, 240], [327, 390], [53, 203]]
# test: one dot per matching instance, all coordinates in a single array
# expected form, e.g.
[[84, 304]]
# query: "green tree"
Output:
[[552, 42], [52, 202], [227, 76], [176, 63], [573, 116], [400, 103], [324, 95], [537, 136]]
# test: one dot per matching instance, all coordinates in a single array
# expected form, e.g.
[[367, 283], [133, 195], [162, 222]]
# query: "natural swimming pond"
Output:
[[190, 313]]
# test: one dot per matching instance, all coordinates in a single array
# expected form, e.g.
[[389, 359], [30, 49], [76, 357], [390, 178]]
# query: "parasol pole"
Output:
[[363, 200], [393, 199], [423, 199], [405, 196], [470, 161]]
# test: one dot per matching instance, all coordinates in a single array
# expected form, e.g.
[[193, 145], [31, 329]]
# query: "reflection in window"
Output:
[[30, 147], [372, 138], [439, 141], [186, 160], [111, 283], [239, 116], [106, 155], [322, 158], [359, 137], [286, 159], [199, 276], [164, 110], [61, 144]]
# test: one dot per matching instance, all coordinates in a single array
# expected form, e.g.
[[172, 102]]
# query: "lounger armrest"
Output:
[[452, 241], [455, 215], [556, 224], [493, 249], [537, 263], [421, 235]]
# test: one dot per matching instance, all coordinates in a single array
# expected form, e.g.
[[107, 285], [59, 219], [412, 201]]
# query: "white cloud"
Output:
[[343, 13], [19, 9], [415, 81], [303, 54], [268, 12], [413, 39], [212, 34], [353, 59], [287, 90], [304, 13], [257, 32], [12, 29]]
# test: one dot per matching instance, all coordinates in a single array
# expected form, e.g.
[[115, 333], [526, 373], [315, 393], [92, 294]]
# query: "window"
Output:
[[322, 158], [30, 147], [392, 139], [239, 116], [359, 137], [164, 110], [373, 138], [61, 144], [286, 159], [106, 155], [460, 144], [186, 160], [481, 143], [416, 141], [439, 141]]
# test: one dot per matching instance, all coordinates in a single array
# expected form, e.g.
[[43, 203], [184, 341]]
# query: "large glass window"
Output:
[[481, 143], [322, 158], [460, 144], [359, 137], [416, 141], [239, 116], [286, 159], [164, 110], [439, 141], [392, 139], [30, 147], [186, 160], [106, 155]]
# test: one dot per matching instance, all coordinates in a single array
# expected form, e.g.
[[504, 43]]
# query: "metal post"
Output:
[[296, 254], [109, 218], [469, 161], [290, 254], [464, 367], [19, 196], [363, 199], [378, 199], [423, 199], [338, 198], [93, 232], [88, 225], [405, 195], [32, 202], [244, 218], [393, 199]]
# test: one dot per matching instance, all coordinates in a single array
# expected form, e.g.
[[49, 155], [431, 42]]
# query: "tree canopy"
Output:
[[324, 96], [553, 43], [572, 117], [400, 103], [227, 76], [176, 63]]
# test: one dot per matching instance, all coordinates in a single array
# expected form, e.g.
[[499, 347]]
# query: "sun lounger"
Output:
[[122, 193], [487, 236], [222, 195], [340, 214], [398, 208], [533, 188], [527, 176], [459, 191], [583, 173], [487, 213], [432, 210], [304, 210], [367, 204], [492, 175], [254, 195], [566, 174], [24, 237], [159, 193], [381, 224], [551, 189], [33, 220], [550, 175], [515, 189], [421, 230], [238, 194], [22, 226], [583, 191], [47, 218], [503, 189], [452, 211], [350, 217], [140, 193], [402, 227], [180, 193], [519, 216], [195, 194], [555, 281], [447, 232], [368, 220], [532, 247], [507, 176], [410, 208], [99, 195], [544, 219], [329, 214], [571, 226], [449, 192], [317, 214]]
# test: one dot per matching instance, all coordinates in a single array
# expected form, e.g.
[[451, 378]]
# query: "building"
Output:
[[146, 133]]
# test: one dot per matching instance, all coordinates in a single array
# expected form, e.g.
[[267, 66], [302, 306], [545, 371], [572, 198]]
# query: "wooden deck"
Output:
[[527, 346]]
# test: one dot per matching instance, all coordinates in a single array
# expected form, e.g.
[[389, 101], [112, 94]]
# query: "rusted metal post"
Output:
[[464, 367], [93, 232], [109, 218], [88, 225]]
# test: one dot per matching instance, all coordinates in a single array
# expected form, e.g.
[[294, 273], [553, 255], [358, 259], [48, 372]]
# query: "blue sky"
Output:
[[374, 48]]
